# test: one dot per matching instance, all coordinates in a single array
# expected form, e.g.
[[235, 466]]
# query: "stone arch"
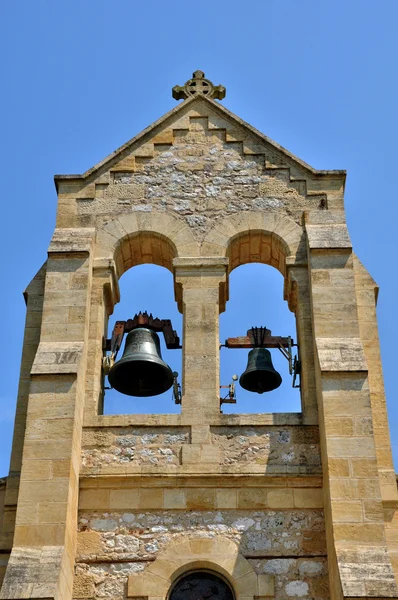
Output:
[[219, 555], [148, 237], [144, 247], [269, 238]]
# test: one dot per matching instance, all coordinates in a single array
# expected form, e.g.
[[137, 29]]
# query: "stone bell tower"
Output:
[[200, 192]]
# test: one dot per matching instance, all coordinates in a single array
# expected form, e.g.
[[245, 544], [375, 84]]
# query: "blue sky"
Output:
[[81, 78]]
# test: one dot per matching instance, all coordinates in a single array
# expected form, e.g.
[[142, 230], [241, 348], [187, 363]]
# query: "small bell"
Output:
[[260, 375], [141, 370]]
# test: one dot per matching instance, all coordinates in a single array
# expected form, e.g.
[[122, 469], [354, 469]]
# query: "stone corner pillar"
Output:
[[41, 564], [359, 563]]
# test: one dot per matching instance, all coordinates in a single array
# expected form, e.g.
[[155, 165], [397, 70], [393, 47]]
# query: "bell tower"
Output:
[[88, 511]]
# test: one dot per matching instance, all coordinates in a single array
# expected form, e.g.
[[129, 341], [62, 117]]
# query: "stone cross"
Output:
[[198, 85]]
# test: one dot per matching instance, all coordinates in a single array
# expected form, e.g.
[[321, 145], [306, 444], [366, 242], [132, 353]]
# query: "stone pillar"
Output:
[[359, 563], [34, 307], [104, 295], [298, 296], [202, 285], [42, 559], [366, 295]]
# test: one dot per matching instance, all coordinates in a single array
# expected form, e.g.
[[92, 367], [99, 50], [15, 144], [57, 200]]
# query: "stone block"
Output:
[[124, 499], [308, 498], [266, 586], [83, 586], [339, 426], [88, 543], [174, 499], [356, 447], [364, 533], [147, 584], [252, 498], [339, 354], [200, 499], [363, 467], [151, 498], [71, 240], [162, 568], [37, 469], [328, 236], [37, 535], [96, 499], [350, 512], [44, 491], [338, 467], [226, 498], [52, 512], [280, 498], [57, 357], [27, 513], [373, 510]]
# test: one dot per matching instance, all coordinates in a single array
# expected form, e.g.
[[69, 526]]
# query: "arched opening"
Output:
[[256, 300], [201, 584], [144, 248], [256, 246], [146, 287]]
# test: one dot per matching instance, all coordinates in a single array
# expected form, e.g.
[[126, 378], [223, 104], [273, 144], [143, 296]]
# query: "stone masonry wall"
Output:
[[279, 449], [200, 174], [133, 446], [289, 544]]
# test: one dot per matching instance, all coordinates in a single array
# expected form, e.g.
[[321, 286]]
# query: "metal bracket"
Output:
[[294, 363], [230, 398], [176, 389]]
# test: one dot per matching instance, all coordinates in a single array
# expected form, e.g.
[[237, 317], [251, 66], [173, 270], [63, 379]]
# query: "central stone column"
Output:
[[202, 283]]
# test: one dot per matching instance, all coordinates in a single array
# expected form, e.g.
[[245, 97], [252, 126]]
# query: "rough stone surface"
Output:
[[135, 536], [201, 178], [133, 446], [286, 448], [142, 535], [109, 580]]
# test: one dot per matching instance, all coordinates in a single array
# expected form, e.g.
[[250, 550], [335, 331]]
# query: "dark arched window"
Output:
[[201, 585]]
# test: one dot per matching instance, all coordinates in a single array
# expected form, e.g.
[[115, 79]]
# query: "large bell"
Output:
[[260, 375], [141, 370]]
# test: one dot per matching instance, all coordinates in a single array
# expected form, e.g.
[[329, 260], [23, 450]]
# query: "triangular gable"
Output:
[[199, 162], [253, 141]]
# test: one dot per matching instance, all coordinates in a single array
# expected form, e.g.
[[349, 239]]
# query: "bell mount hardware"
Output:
[[261, 337], [141, 371], [230, 397]]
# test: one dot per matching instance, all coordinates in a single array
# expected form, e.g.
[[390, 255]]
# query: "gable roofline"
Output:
[[224, 113]]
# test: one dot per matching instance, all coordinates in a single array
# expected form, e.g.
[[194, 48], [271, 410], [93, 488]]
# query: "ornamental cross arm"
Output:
[[198, 86]]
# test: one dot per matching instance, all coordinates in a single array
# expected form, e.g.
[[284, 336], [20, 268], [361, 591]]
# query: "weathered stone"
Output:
[[200, 193]]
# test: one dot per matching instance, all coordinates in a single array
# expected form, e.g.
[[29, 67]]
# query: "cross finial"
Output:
[[198, 86]]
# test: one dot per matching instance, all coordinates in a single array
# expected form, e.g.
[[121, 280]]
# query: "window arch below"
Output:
[[201, 584]]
